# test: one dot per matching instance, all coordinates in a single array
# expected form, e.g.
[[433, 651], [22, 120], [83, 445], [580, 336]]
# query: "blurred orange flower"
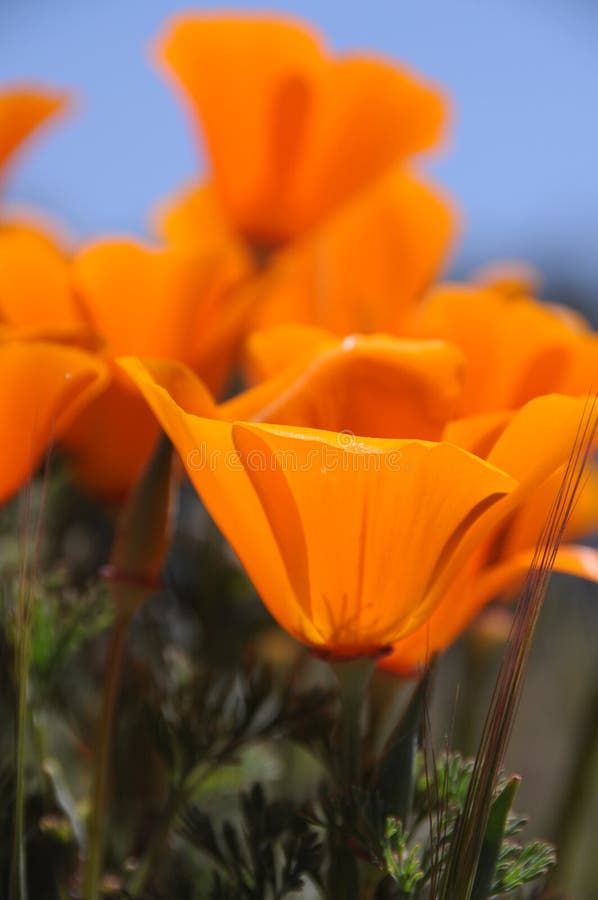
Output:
[[35, 289], [362, 269], [344, 235], [123, 297], [365, 267], [278, 113], [42, 388], [317, 519], [514, 347], [373, 385], [23, 111]]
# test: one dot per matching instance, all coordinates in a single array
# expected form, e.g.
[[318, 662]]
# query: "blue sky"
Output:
[[522, 158]]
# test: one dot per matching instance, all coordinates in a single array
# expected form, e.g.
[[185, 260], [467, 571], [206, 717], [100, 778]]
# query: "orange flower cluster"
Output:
[[388, 468]]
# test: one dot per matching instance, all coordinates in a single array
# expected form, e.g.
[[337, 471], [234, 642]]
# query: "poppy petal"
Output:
[[365, 266], [43, 386], [268, 86], [515, 348], [22, 111], [206, 449], [165, 303], [350, 521], [272, 350], [375, 385], [34, 282]]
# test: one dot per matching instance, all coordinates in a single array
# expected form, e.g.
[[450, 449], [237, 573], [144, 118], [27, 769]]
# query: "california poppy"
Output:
[[35, 290], [23, 110], [317, 520], [42, 388], [124, 297], [270, 87], [375, 385], [514, 347], [533, 446], [344, 235], [361, 270], [500, 565]]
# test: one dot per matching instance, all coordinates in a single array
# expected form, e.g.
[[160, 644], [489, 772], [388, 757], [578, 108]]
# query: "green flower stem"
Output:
[[97, 823], [138, 882], [386, 698], [353, 677], [140, 545], [18, 881]]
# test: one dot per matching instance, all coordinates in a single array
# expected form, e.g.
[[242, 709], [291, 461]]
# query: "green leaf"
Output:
[[518, 865], [402, 864], [493, 839]]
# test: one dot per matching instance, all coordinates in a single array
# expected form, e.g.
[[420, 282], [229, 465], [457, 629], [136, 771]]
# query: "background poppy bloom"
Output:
[[23, 111], [120, 297], [375, 385], [271, 87], [365, 266], [514, 347], [42, 388]]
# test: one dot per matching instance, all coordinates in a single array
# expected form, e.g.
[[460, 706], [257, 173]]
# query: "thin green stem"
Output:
[[139, 881], [138, 552], [101, 762], [18, 885], [353, 677]]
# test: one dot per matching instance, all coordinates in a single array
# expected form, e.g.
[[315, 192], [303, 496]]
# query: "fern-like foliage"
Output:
[[268, 856]]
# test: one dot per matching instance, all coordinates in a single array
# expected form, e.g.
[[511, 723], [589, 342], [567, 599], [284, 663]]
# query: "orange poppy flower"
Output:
[[365, 267], [317, 520], [512, 278], [126, 298], [42, 388], [35, 290], [159, 303], [515, 347], [375, 385], [361, 270], [23, 110], [533, 447], [270, 87], [564, 338]]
